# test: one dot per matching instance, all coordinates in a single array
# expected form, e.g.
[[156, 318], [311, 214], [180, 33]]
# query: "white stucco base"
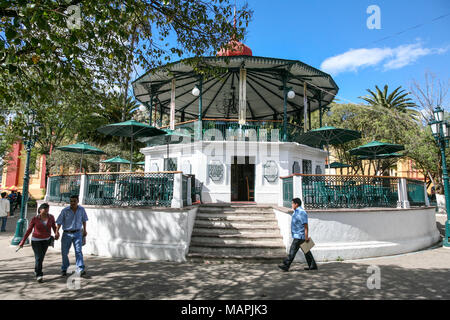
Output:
[[355, 234], [137, 233]]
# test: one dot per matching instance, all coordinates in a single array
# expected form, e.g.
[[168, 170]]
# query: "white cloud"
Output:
[[392, 58]]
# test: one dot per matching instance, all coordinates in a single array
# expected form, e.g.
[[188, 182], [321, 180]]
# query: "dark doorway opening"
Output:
[[242, 179]]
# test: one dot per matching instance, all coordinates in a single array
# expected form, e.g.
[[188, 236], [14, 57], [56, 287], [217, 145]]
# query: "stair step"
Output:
[[242, 209], [221, 243], [241, 250], [235, 224], [226, 233], [245, 241], [232, 217]]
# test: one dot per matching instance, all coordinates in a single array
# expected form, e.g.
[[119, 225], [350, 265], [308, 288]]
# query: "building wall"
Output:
[[196, 157], [14, 172], [136, 233], [364, 233]]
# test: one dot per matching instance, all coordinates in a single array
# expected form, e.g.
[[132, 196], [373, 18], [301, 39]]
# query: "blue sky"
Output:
[[316, 31]]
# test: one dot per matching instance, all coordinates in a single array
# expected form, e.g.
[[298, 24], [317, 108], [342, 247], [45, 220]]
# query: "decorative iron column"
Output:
[[200, 109], [441, 132], [320, 109], [284, 108], [31, 135]]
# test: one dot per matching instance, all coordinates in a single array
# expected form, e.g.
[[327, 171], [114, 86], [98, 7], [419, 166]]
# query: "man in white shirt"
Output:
[[4, 211]]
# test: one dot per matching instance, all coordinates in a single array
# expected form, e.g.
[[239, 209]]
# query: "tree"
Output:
[[375, 123], [59, 70], [429, 96], [41, 38], [396, 100]]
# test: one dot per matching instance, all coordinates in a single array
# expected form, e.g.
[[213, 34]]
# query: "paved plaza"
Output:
[[420, 275]]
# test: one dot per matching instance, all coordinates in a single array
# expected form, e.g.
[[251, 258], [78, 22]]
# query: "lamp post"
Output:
[[441, 132], [30, 133]]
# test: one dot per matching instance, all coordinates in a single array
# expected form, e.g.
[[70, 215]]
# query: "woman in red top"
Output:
[[42, 225]]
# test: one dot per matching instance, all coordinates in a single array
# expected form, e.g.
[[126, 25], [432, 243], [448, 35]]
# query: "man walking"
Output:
[[4, 210], [299, 229], [72, 219]]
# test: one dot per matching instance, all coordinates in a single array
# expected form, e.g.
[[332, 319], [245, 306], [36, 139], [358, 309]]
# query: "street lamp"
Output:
[[440, 130], [30, 134]]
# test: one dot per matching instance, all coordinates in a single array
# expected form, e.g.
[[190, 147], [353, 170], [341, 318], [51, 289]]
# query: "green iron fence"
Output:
[[62, 187], [329, 191], [252, 130], [416, 192], [130, 189], [288, 192]]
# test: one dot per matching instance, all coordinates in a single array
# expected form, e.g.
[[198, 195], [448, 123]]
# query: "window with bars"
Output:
[[307, 166], [170, 164]]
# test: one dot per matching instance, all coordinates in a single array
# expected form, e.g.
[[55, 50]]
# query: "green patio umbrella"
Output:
[[381, 156], [83, 148], [132, 129], [116, 160], [141, 163], [337, 165], [328, 135], [374, 148], [171, 136]]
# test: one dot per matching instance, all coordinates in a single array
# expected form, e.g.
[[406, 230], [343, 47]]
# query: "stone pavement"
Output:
[[420, 275]]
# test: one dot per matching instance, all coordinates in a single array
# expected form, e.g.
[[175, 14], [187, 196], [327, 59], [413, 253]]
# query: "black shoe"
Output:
[[64, 273], [308, 268], [40, 279], [283, 267], [82, 273]]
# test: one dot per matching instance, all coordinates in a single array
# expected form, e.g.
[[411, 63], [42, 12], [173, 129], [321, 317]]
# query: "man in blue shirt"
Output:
[[299, 229], [71, 219]]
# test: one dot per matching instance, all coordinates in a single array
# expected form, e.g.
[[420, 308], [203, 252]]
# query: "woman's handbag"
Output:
[[51, 241]]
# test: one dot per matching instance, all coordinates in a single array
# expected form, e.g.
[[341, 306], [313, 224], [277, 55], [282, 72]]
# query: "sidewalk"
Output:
[[419, 275]]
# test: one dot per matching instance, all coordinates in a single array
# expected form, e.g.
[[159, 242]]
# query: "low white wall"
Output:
[[135, 233], [355, 234]]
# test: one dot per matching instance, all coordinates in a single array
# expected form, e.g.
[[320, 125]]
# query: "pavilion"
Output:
[[250, 113]]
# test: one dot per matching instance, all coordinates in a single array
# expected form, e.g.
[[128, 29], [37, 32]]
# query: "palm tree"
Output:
[[396, 100]]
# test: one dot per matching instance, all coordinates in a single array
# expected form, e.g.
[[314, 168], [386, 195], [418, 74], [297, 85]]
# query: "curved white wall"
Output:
[[135, 233], [355, 234]]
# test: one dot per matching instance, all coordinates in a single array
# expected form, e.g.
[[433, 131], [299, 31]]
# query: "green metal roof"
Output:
[[264, 86]]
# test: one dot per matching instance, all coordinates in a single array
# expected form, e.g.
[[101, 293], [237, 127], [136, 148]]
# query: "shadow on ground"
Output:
[[420, 277], [125, 279]]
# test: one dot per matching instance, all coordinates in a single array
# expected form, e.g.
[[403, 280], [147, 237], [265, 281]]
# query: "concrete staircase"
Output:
[[228, 232]]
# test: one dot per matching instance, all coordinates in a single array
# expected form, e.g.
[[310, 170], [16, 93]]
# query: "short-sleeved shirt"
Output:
[[72, 221], [299, 218]]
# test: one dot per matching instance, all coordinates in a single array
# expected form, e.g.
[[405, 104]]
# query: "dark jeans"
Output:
[[40, 249], [4, 219], [293, 251]]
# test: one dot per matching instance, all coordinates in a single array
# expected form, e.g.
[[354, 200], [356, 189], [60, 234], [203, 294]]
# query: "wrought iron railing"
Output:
[[62, 187], [130, 189], [416, 192], [338, 191], [288, 192], [252, 130], [332, 191]]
